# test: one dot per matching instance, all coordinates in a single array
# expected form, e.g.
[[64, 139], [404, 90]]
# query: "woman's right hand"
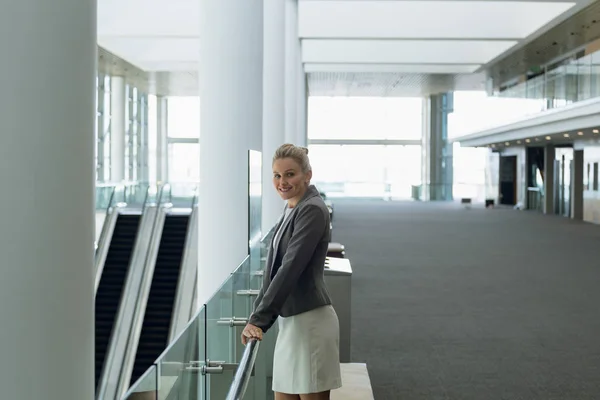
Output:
[[251, 332]]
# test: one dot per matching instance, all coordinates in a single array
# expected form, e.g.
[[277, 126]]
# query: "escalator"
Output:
[[159, 307], [112, 282]]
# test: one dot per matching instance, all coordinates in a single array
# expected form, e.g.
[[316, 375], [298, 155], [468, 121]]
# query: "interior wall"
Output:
[[591, 194]]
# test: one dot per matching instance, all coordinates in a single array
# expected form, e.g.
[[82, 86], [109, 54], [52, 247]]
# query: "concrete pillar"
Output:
[[162, 146], [549, 158], [48, 74], [230, 78], [291, 71], [273, 105], [118, 125], [577, 185]]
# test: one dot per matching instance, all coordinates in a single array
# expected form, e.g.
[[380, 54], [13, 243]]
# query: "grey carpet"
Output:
[[474, 304]]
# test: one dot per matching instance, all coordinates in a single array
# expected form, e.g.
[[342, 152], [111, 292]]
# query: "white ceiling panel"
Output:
[[154, 18], [393, 68], [425, 19], [403, 51]]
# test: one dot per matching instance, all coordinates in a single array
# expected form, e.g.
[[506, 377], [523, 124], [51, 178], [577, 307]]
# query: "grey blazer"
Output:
[[293, 280]]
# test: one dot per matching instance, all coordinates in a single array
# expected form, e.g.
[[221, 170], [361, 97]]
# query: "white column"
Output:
[[162, 150], [117, 128], [302, 136], [230, 77], [273, 105], [48, 76], [291, 71]]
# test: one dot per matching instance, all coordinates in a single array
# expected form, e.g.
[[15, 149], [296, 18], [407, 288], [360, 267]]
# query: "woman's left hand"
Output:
[[251, 332]]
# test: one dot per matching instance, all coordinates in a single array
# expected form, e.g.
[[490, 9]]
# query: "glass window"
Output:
[[152, 137], [184, 162], [184, 117], [364, 118], [366, 170]]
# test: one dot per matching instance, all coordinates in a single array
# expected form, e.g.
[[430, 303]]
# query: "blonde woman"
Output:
[[306, 361]]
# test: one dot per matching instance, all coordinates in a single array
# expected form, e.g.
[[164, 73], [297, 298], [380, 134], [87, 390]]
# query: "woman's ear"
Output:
[[309, 177]]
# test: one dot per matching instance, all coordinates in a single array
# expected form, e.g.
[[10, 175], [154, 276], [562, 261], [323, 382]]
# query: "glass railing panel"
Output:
[[146, 387], [181, 194], [135, 195], [104, 194], [220, 337], [181, 365], [242, 307]]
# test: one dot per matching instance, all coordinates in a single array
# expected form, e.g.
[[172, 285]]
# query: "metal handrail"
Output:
[[103, 232], [238, 387]]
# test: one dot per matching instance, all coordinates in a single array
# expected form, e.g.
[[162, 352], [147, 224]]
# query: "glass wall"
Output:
[[367, 170], [102, 142], [574, 79], [370, 118], [183, 134]]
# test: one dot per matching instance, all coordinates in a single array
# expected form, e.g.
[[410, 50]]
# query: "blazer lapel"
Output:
[[274, 247], [271, 254]]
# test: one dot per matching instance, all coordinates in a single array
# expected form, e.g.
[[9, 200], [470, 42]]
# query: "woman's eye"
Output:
[[290, 174]]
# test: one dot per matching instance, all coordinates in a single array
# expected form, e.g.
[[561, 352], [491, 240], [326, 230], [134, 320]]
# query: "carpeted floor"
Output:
[[473, 304]]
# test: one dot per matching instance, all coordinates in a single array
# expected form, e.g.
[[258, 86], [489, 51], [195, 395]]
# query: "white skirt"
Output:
[[307, 353]]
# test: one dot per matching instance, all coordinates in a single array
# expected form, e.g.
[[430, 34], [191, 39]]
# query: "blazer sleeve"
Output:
[[309, 226]]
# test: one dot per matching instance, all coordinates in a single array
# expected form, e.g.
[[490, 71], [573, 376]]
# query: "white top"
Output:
[[286, 214]]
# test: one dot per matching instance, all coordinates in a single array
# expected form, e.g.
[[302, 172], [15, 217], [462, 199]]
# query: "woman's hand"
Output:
[[251, 332]]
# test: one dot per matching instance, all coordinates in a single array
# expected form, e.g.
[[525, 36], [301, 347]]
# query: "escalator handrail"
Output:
[[133, 337], [237, 390], [103, 232]]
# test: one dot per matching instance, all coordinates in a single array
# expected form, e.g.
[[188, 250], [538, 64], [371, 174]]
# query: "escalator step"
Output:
[[157, 319], [111, 284]]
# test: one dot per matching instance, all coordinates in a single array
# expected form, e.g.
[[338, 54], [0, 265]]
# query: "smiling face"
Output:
[[289, 180]]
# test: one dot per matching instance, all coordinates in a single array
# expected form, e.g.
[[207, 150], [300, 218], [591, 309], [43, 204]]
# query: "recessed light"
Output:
[[537, 139], [566, 135], [580, 133], [507, 143], [493, 145], [595, 130], [518, 142], [548, 138], [527, 140]]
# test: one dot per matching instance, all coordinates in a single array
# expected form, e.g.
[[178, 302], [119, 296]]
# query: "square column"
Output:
[[577, 185], [549, 167], [48, 74], [231, 86]]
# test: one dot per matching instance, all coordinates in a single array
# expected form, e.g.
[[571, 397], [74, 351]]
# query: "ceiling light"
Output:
[[527, 140], [595, 130], [580, 133], [518, 142], [537, 139], [507, 143], [566, 135], [548, 138]]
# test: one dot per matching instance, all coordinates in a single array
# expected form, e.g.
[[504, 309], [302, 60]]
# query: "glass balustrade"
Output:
[[200, 364]]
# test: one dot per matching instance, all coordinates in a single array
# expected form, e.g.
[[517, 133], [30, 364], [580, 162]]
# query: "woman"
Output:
[[306, 362]]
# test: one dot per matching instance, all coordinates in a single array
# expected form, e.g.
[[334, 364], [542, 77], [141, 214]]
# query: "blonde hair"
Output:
[[297, 153]]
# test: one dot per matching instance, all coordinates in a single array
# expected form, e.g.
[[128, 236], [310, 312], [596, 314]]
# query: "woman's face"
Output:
[[289, 180]]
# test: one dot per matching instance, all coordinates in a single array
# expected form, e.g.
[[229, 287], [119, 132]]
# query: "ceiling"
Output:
[[349, 47]]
